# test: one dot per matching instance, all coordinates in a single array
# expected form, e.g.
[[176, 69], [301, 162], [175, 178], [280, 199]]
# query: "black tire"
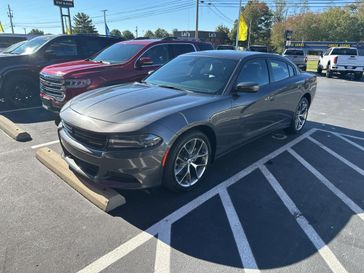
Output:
[[169, 177], [328, 72], [358, 76], [293, 128], [21, 91], [319, 69]]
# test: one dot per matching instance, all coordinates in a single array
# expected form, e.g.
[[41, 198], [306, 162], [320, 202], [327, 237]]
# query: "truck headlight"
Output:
[[134, 141], [77, 83]]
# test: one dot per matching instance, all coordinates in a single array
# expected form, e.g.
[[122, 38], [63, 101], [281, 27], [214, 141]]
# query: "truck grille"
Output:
[[52, 85], [90, 139]]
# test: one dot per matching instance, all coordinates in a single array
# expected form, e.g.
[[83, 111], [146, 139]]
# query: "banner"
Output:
[[1, 27], [243, 29]]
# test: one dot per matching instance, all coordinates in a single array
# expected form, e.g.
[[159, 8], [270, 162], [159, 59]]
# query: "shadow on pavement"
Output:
[[273, 233]]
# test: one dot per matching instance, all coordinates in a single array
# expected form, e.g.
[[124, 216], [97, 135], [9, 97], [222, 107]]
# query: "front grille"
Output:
[[52, 85], [90, 139]]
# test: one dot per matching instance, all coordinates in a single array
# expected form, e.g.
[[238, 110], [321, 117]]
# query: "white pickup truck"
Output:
[[341, 60]]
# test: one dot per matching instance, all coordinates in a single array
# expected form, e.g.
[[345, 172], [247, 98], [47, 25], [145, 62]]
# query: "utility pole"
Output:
[[104, 11], [197, 7], [25, 31], [11, 15], [238, 29], [250, 26], [136, 32]]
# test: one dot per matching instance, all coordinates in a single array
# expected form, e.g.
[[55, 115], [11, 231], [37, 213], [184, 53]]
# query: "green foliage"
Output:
[[161, 33], [226, 31], [36, 31], [149, 34], [128, 35], [82, 24], [116, 33]]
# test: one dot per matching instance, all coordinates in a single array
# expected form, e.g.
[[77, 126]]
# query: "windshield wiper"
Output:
[[171, 87]]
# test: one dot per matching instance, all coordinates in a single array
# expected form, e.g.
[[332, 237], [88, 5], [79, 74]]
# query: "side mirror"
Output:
[[247, 87], [144, 61]]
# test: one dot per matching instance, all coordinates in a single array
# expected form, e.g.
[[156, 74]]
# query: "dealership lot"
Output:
[[280, 204]]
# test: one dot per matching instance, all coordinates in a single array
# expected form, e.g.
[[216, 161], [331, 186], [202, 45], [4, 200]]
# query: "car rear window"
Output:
[[294, 52], [205, 46], [344, 51]]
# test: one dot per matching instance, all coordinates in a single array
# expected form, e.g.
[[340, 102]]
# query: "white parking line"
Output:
[[242, 243], [18, 110], [118, 253], [349, 141], [342, 196], [342, 159], [325, 252], [163, 253], [45, 144]]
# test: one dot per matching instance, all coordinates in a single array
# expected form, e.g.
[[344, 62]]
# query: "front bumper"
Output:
[[125, 169], [50, 104]]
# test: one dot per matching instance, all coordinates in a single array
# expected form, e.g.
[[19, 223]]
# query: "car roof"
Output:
[[146, 42], [231, 54]]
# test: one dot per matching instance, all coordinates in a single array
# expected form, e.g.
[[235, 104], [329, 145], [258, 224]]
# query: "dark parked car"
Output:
[[225, 47], [19, 70], [169, 128], [123, 62]]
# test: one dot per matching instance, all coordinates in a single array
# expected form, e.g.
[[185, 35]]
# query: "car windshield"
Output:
[[13, 47], [199, 74], [117, 53], [294, 52], [344, 51], [32, 45]]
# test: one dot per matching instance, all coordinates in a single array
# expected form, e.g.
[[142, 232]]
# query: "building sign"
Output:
[[64, 3]]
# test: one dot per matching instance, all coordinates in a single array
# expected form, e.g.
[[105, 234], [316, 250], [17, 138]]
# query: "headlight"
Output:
[[134, 141], [77, 83]]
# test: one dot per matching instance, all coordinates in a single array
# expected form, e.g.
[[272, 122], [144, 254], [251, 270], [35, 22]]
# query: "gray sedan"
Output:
[[169, 128]]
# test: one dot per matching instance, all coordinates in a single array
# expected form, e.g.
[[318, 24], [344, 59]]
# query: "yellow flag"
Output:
[[68, 31], [243, 29], [1, 27]]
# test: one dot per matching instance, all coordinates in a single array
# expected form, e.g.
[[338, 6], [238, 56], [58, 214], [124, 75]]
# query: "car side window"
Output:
[[254, 71], [91, 46], [327, 52], [159, 54], [179, 49], [66, 47], [279, 70], [291, 70]]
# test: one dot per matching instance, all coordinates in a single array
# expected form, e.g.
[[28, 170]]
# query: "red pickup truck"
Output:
[[122, 62]]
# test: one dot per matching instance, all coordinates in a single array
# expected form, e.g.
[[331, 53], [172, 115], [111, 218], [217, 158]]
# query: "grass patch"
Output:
[[312, 65]]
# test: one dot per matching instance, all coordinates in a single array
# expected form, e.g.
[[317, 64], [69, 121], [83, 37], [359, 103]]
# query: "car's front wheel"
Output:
[[358, 76], [300, 116], [187, 161]]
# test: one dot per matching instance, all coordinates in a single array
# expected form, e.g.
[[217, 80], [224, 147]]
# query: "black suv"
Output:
[[19, 69]]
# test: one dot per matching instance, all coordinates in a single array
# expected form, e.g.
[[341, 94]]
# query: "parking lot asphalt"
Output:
[[279, 204]]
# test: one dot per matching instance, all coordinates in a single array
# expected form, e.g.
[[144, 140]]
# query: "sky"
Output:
[[129, 14]]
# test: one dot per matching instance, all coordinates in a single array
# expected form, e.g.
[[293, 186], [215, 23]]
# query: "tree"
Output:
[[174, 31], [116, 33], [161, 33], [36, 31], [226, 32], [83, 24], [128, 35], [277, 37], [279, 14], [149, 34]]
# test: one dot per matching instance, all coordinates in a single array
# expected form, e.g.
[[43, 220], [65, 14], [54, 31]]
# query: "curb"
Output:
[[105, 198], [12, 130]]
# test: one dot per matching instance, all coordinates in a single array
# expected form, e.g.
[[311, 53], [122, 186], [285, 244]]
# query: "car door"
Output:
[[159, 54], [285, 90], [253, 111], [59, 50]]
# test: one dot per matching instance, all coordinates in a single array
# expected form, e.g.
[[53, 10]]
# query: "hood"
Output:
[[134, 103], [74, 67], [12, 59]]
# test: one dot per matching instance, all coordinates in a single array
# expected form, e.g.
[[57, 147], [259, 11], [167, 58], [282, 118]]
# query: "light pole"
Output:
[[238, 29], [104, 11], [196, 29]]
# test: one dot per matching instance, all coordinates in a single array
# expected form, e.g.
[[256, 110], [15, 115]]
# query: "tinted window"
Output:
[[293, 52], [279, 70], [92, 46], [195, 73], [291, 70], [254, 71], [118, 53], [206, 46], [159, 54], [344, 51], [64, 47], [8, 41], [181, 49]]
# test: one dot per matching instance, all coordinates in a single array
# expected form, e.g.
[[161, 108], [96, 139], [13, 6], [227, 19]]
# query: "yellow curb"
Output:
[[12, 130], [105, 198]]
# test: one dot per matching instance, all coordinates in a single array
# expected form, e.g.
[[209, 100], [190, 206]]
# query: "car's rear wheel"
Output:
[[21, 91], [319, 69], [300, 116], [187, 161], [328, 72]]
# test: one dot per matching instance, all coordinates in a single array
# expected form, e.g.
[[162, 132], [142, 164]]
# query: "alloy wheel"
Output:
[[191, 162], [301, 114]]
